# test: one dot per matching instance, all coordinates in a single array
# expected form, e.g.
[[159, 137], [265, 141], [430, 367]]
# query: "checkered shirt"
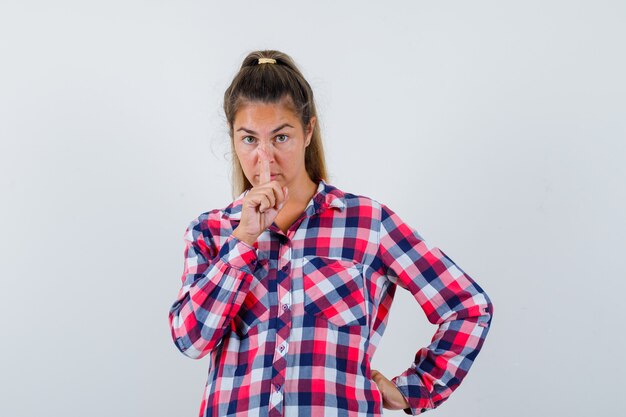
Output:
[[291, 323]]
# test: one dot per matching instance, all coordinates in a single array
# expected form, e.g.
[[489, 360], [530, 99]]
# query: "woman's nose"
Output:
[[268, 149]]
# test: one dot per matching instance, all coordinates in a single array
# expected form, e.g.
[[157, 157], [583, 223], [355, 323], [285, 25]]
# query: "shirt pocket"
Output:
[[333, 290]]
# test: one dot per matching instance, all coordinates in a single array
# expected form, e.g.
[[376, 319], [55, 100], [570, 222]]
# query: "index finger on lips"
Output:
[[264, 170]]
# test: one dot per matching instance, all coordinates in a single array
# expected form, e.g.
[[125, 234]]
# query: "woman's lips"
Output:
[[272, 176]]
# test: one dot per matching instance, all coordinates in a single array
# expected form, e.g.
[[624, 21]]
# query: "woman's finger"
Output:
[[258, 199], [393, 398], [266, 201], [274, 191], [264, 169], [277, 191]]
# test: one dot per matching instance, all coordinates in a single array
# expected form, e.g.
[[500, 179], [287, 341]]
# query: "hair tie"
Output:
[[267, 61]]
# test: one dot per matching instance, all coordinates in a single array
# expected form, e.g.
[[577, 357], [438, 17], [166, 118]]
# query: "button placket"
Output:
[[283, 287]]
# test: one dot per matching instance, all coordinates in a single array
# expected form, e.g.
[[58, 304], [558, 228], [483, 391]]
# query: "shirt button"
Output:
[[285, 306]]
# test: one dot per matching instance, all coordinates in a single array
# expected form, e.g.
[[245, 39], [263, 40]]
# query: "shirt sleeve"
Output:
[[214, 285], [449, 297]]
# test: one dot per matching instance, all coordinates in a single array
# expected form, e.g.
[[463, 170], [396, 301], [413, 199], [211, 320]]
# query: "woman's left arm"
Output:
[[449, 297]]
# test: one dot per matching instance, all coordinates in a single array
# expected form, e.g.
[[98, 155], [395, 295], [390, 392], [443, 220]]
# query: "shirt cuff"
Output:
[[238, 254], [415, 394]]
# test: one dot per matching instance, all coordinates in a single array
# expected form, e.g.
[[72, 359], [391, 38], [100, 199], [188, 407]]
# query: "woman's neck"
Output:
[[299, 197], [301, 194]]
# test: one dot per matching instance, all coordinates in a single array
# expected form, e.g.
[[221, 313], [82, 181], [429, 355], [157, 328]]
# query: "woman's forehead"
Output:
[[261, 115]]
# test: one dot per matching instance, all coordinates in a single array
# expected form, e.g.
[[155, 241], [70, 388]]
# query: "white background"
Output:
[[496, 129]]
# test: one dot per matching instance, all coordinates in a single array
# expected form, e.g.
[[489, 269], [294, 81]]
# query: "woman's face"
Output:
[[275, 128]]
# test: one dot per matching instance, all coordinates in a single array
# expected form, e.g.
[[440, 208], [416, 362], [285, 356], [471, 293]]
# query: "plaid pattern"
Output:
[[291, 323]]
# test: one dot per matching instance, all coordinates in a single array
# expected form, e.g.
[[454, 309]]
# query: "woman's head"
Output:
[[266, 96]]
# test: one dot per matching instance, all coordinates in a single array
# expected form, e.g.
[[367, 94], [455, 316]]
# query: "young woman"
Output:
[[288, 288]]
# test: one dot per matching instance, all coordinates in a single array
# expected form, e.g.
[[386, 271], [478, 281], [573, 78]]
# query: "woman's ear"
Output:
[[309, 132]]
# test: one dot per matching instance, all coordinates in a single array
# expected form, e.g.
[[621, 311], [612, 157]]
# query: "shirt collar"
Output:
[[327, 196]]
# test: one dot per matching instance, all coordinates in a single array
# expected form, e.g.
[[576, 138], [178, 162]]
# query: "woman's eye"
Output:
[[282, 138], [245, 139]]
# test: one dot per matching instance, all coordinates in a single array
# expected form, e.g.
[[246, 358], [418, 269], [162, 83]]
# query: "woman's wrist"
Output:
[[244, 237]]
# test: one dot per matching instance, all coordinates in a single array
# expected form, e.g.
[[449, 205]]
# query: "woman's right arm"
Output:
[[214, 285]]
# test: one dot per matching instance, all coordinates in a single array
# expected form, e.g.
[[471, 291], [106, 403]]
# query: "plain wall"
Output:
[[496, 129]]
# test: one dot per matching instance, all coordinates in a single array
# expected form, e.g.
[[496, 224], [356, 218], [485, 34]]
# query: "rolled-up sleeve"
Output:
[[449, 297]]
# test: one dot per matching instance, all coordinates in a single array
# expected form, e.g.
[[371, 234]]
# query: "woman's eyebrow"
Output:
[[252, 132]]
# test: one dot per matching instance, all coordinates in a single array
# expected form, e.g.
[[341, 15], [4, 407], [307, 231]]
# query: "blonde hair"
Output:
[[272, 83]]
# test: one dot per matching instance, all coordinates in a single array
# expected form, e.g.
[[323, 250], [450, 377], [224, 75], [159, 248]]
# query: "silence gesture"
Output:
[[262, 203]]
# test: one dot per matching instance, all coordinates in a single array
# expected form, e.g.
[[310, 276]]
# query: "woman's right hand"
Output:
[[261, 204], [393, 398]]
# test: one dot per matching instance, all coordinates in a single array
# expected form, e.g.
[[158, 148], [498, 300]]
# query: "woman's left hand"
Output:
[[393, 399]]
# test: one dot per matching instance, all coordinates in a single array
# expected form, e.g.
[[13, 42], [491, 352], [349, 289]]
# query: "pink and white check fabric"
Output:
[[291, 323]]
